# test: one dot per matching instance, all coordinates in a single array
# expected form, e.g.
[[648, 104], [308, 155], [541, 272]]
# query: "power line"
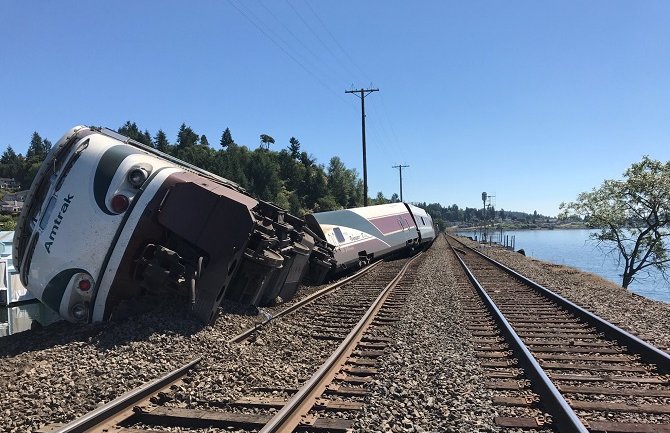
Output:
[[346, 54], [246, 15], [287, 29], [363, 94]]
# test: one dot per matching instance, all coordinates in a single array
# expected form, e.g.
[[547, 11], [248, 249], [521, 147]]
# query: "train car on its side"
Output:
[[424, 224], [108, 218], [363, 234]]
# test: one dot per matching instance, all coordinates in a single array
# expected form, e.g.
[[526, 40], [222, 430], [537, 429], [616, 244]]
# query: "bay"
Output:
[[574, 248]]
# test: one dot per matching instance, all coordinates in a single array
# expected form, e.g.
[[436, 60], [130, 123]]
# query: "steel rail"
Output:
[[104, 413], [126, 401], [633, 343], [307, 300], [289, 417], [566, 419]]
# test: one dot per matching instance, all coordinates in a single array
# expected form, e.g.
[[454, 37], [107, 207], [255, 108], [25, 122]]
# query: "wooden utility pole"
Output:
[[400, 167], [363, 94]]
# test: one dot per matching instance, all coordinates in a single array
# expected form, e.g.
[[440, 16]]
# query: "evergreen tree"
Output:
[[146, 139], [130, 130], [380, 199], [203, 140], [263, 174], [47, 146], [339, 186], [186, 137], [8, 156], [294, 148], [37, 150], [161, 142], [306, 159], [227, 139]]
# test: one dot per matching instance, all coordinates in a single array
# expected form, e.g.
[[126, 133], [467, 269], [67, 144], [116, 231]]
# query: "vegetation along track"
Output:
[[554, 365], [340, 331]]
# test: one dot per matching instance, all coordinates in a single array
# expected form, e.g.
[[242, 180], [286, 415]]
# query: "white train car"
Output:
[[108, 219], [363, 234], [424, 224]]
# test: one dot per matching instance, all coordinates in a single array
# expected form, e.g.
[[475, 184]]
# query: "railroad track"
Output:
[[553, 365], [327, 401]]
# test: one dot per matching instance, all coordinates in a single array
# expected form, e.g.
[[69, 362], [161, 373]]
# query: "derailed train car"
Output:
[[107, 219], [363, 234]]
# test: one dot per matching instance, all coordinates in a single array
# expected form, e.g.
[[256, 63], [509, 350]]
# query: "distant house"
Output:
[[11, 207], [12, 203], [16, 196], [7, 183]]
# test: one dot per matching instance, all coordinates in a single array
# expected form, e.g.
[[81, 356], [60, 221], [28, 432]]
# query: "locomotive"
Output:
[[108, 218]]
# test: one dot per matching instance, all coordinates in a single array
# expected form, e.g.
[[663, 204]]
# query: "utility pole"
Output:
[[363, 94], [400, 167]]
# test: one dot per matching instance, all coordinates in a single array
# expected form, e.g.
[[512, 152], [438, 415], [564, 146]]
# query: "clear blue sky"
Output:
[[531, 101]]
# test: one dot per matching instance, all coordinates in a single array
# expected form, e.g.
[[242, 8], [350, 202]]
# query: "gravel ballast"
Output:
[[430, 379]]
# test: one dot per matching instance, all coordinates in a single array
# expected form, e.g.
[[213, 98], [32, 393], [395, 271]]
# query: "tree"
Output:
[[294, 148], [380, 199], [36, 150], [266, 141], [226, 138], [307, 160], [186, 137], [161, 142], [203, 140], [263, 175], [131, 130], [632, 216]]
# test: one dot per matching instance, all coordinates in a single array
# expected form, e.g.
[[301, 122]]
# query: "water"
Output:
[[574, 248]]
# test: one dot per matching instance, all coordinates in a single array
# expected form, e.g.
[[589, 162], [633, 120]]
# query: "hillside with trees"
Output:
[[289, 176]]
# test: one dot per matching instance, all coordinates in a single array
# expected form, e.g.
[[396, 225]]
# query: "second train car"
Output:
[[363, 234]]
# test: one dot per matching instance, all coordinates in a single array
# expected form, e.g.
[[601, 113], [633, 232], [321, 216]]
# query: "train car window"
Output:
[[47, 213], [338, 234]]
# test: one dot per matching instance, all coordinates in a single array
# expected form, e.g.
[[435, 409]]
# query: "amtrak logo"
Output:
[[67, 201]]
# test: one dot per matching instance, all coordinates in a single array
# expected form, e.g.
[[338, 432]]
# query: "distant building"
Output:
[[11, 207], [7, 183], [16, 196]]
